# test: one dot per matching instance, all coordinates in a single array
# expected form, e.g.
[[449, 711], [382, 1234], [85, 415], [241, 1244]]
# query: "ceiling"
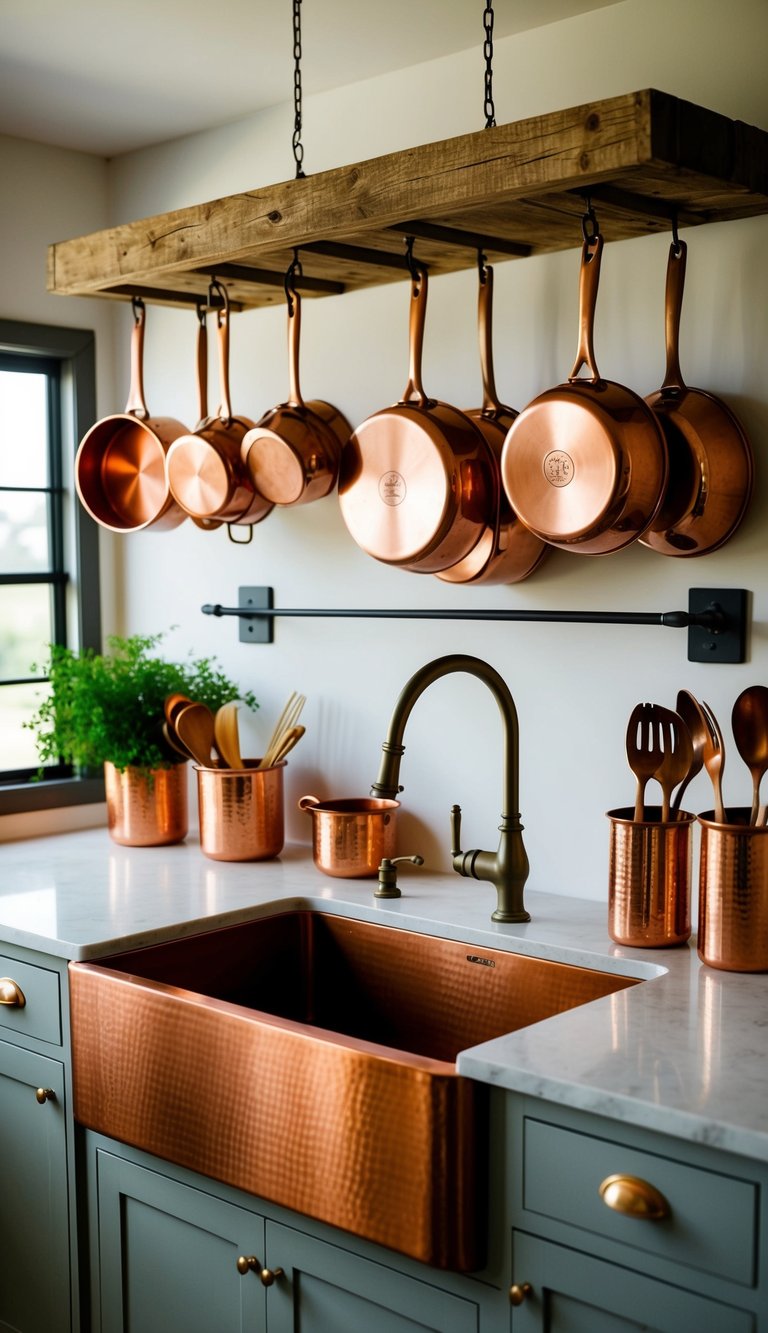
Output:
[[96, 76]]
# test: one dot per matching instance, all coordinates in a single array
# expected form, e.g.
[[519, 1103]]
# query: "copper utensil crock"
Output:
[[649, 878], [416, 486], [733, 892], [710, 458], [585, 464], [241, 811], [351, 835], [120, 466]]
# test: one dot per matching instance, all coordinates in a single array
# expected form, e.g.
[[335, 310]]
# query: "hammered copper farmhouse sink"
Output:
[[310, 1059]]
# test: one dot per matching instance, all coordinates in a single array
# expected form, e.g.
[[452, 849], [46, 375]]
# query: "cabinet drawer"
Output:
[[712, 1217], [39, 1016]]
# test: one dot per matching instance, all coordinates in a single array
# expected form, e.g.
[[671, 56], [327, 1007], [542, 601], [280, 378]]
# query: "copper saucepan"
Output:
[[507, 552], [205, 471], [351, 835], [585, 464], [416, 486], [710, 458], [292, 454], [120, 467]]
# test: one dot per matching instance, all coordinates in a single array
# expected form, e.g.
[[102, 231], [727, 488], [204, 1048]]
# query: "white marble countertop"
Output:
[[686, 1052]]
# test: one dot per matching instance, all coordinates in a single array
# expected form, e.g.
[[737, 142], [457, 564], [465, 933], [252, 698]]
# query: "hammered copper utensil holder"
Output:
[[733, 893], [649, 878], [146, 809], [241, 812]]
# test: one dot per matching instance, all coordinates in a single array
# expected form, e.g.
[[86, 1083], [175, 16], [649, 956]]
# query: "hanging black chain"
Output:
[[298, 147], [490, 110]]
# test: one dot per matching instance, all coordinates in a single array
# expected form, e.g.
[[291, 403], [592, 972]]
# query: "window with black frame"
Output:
[[49, 572]]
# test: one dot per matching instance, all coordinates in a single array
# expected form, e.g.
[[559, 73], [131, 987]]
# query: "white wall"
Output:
[[574, 686]]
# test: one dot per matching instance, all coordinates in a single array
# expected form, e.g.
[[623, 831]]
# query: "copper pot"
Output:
[[585, 464], [292, 454], [205, 471], [710, 458], [507, 552], [416, 484], [120, 466], [351, 835]]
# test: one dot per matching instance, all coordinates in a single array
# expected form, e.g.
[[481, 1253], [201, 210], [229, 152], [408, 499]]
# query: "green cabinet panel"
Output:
[[326, 1289], [168, 1256], [575, 1293], [34, 1217]]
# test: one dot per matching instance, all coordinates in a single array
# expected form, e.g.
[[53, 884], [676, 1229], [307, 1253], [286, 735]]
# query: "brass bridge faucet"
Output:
[[507, 867]]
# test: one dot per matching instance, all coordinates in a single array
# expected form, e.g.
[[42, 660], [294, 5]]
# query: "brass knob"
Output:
[[11, 993], [634, 1197], [44, 1095], [519, 1292], [268, 1275], [248, 1263]]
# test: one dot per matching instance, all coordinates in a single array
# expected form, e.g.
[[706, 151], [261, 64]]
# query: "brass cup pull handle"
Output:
[[248, 1263], [519, 1292], [634, 1198], [11, 993]]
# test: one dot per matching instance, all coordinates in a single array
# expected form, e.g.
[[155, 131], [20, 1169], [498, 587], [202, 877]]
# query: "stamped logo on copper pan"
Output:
[[392, 488], [558, 468]]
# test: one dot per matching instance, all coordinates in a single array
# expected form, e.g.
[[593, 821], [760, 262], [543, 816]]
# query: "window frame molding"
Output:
[[75, 351]]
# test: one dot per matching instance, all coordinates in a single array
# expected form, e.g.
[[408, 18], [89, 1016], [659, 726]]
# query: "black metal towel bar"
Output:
[[716, 618]]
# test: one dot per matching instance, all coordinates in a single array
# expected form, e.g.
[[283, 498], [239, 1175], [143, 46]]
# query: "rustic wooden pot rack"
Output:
[[647, 160]]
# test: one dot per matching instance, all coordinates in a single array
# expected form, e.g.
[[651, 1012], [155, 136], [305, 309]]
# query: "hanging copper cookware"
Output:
[[205, 471], [710, 458], [120, 469], [585, 464], [507, 552], [416, 486], [292, 454]]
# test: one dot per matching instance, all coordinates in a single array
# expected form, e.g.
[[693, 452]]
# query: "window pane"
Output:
[[17, 704], [24, 439], [23, 532], [25, 628]]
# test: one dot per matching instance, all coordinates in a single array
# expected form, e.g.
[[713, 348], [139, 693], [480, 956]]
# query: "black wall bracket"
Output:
[[716, 619]]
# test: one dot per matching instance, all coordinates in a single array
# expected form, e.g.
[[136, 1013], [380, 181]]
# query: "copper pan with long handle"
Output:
[[120, 466], [585, 464], [710, 458], [416, 485], [507, 552]]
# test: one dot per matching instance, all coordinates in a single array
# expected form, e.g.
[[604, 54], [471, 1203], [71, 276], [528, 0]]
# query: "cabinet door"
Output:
[[167, 1256], [573, 1293], [34, 1215], [326, 1289]]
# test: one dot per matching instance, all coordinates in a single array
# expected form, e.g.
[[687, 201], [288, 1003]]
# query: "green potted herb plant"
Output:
[[108, 710]]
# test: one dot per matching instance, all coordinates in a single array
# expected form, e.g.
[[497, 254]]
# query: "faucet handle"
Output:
[[455, 830], [388, 875]]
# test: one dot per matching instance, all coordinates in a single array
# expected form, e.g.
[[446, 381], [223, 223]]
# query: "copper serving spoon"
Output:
[[749, 721], [687, 708]]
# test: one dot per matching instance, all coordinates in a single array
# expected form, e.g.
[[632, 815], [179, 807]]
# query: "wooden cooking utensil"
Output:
[[749, 721], [643, 752], [194, 727], [291, 737], [287, 719], [226, 734]]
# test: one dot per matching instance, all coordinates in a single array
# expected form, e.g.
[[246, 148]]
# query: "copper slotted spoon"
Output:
[[643, 752], [677, 754]]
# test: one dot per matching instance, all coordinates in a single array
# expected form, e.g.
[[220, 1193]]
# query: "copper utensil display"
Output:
[[749, 722], [649, 878], [292, 454], [733, 892], [287, 719], [241, 811], [415, 485], [507, 552], [351, 835], [677, 754], [643, 752], [120, 466], [205, 471], [710, 458], [585, 464], [226, 735]]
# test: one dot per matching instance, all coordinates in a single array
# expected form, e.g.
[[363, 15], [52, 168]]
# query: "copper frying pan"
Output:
[[507, 552], [585, 464], [415, 485], [120, 469], [293, 452], [710, 458]]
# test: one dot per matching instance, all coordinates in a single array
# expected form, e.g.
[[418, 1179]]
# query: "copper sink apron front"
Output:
[[310, 1059]]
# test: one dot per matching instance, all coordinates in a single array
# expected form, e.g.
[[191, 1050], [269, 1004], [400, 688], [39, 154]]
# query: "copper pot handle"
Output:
[[485, 335], [202, 365], [308, 802], [589, 277], [222, 327], [414, 389], [294, 336], [673, 305], [136, 404]]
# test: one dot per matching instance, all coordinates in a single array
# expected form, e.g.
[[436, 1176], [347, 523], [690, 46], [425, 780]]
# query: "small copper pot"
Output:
[[241, 811], [120, 466], [293, 452], [351, 835], [205, 471], [146, 809]]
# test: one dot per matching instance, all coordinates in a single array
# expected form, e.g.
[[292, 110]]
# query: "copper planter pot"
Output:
[[733, 893], [241, 812], [147, 808], [351, 835]]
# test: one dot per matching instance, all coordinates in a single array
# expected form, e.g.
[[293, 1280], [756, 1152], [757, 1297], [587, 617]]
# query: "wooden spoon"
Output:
[[227, 736], [194, 727], [290, 738], [749, 721]]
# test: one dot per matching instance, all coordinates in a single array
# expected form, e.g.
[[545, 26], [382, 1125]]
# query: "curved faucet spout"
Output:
[[507, 868]]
